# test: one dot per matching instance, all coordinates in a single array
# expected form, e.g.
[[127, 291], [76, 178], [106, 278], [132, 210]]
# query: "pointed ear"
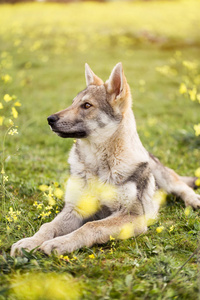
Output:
[[117, 83], [91, 78], [118, 88]]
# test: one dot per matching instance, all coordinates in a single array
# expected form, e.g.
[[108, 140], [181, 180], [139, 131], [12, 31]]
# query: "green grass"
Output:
[[46, 47]]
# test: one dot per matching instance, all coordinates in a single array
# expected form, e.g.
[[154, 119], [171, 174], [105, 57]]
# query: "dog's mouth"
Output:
[[66, 129], [74, 134]]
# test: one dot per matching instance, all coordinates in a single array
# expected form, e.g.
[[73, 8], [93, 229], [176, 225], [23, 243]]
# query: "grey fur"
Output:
[[111, 152]]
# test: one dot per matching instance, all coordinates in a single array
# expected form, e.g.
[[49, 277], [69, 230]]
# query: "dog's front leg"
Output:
[[96, 232], [64, 223]]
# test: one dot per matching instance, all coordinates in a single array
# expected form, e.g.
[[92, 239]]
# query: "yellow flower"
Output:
[[6, 78], [183, 88], [197, 182], [191, 65], [197, 129], [64, 257], [87, 205], [17, 103], [58, 193], [127, 231], [1, 120], [5, 178], [1, 105], [14, 112], [10, 122], [36, 286], [197, 172], [43, 187], [105, 192], [9, 219], [13, 131], [7, 98], [160, 197], [193, 93], [49, 207], [91, 256], [159, 229], [187, 211], [171, 228]]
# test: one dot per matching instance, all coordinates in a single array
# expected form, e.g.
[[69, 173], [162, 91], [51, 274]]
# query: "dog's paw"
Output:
[[193, 201], [27, 243], [59, 245]]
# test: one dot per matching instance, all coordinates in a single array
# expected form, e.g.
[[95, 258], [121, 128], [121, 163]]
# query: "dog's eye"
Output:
[[86, 105]]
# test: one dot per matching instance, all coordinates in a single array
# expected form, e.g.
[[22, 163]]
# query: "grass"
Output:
[[43, 47]]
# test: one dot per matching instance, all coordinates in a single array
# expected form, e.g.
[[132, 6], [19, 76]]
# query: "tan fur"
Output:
[[108, 149]]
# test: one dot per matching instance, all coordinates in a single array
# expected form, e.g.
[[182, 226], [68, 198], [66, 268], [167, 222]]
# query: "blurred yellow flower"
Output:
[[160, 197], [191, 65], [126, 232], [49, 286], [13, 215], [58, 193], [159, 229], [64, 257], [87, 205], [43, 187], [14, 112], [197, 129], [10, 122], [7, 98], [17, 103], [183, 88], [188, 210], [193, 93], [5, 178], [51, 200], [6, 78], [1, 120], [13, 131], [1, 105], [91, 256], [197, 172], [197, 182]]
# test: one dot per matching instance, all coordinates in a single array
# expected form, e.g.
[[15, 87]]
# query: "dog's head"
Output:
[[96, 111]]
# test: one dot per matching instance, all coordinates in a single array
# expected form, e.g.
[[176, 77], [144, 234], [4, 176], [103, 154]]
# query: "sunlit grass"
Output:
[[43, 48]]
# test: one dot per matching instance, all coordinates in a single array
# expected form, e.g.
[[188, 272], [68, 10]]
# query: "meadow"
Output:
[[43, 49]]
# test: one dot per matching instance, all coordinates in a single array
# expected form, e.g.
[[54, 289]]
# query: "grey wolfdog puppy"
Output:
[[109, 155]]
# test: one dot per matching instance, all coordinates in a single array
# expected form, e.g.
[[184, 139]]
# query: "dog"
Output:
[[108, 150]]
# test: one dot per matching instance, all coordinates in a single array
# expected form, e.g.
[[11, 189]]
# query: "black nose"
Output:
[[52, 119]]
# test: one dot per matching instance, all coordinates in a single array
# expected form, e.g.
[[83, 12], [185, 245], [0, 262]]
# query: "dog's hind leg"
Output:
[[97, 232], [172, 183], [190, 181]]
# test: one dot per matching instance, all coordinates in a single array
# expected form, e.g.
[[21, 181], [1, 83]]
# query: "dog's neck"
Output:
[[119, 153]]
